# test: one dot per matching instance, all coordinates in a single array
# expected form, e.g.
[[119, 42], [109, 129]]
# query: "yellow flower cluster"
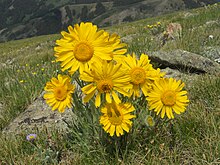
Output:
[[158, 24], [109, 77], [155, 28]]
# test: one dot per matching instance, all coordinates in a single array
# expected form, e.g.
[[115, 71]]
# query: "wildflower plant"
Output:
[[155, 28], [105, 87]]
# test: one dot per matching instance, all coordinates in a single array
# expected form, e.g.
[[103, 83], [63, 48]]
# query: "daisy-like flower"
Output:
[[167, 96], [83, 45], [116, 118], [119, 49], [141, 72], [31, 137], [59, 93], [106, 78]]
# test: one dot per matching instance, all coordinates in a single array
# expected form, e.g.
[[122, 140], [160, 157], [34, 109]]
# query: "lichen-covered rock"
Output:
[[212, 53], [39, 115], [187, 78], [172, 73], [185, 61]]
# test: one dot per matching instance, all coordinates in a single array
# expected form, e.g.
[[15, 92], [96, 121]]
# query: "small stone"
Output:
[[217, 60]]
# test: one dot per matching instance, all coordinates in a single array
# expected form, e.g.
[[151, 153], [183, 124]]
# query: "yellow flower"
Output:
[[167, 96], [149, 121], [42, 69], [116, 118], [119, 49], [106, 78], [81, 46], [21, 81], [141, 72], [59, 93]]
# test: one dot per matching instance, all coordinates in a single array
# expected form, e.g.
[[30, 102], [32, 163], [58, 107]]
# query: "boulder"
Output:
[[185, 61], [188, 78], [39, 115]]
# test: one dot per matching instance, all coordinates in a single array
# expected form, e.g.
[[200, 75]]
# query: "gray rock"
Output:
[[185, 61], [38, 116], [217, 60], [188, 79], [172, 73], [211, 52]]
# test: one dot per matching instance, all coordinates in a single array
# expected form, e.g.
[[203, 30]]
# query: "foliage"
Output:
[[84, 14], [191, 138], [100, 8]]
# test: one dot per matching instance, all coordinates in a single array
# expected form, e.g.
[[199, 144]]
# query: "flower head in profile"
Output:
[[116, 118], [59, 93], [31, 137], [141, 72], [119, 48], [149, 120], [106, 78], [83, 45], [167, 96]]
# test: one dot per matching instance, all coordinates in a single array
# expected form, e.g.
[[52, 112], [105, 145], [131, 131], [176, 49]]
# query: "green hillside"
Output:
[[191, 138], [27, 18]]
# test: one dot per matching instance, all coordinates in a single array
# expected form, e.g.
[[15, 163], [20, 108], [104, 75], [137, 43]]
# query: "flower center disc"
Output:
[[31, 137], [115, 116], [60, 93], [138, 75], [169, 98], [104, 86], [83, 52]]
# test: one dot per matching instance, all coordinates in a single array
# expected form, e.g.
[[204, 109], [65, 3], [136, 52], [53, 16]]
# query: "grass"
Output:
[[26, 66], [191, 138]]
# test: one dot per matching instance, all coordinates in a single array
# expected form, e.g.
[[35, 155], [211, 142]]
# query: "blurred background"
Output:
[[27, 18]]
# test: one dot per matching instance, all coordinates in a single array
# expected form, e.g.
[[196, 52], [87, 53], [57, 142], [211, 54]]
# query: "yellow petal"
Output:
[[98, 100], [108, 98]]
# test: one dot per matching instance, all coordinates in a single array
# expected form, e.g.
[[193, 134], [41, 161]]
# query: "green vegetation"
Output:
[[197, 25], [191, 138], [25, 68]]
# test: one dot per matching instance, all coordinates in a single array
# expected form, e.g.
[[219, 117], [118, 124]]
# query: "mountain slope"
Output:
[[27, 18]]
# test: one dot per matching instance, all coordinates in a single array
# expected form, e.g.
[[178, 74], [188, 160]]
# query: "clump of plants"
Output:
[[113, 94]]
